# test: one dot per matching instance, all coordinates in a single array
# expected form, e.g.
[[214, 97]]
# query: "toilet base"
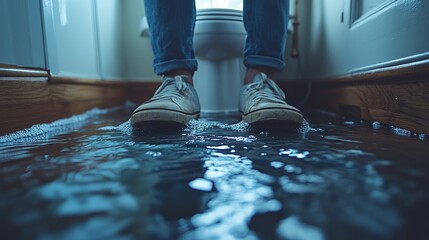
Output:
[[218, 84], [225, 117]]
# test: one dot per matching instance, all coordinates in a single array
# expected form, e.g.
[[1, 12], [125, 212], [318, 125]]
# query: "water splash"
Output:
[[276, 164], [124, 128], [306, 128], [130, 105], [294, 153], [294, 228], [198, 126], [153, 154], [291, 168], [201, 184], [401, 131], [353, 123], [407, 133], [222, 147], [47, 130], [376, 125]]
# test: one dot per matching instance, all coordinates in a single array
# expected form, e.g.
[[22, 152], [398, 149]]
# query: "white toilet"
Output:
[[219, 38]]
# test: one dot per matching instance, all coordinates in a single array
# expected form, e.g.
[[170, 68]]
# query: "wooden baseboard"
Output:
[[139, 92], [25, 103], [30, 96], [396, 96]]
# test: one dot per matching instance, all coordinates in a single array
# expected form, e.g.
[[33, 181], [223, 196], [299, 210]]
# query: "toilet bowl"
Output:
[[219, 38]]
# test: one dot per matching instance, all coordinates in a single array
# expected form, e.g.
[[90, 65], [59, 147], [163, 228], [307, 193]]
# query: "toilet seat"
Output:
[[210, 14]]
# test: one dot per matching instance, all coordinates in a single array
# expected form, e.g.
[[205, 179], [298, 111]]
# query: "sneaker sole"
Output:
[[151, 116], [274, 114]]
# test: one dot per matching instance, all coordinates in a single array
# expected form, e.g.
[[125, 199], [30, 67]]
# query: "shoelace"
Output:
[[171, 87], [264, 89]]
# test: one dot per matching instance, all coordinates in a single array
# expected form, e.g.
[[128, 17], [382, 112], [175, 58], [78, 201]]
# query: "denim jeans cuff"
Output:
[[264, 61], [163, 67]]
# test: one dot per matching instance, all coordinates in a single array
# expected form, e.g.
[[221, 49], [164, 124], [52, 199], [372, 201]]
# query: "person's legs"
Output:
[[171, 26], [266, 25], [261, 99]]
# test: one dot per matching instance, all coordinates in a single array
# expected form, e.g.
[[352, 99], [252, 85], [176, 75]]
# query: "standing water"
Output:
[[92, 177]]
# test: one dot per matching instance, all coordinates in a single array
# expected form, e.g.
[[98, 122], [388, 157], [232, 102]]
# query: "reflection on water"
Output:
[[92, 177]]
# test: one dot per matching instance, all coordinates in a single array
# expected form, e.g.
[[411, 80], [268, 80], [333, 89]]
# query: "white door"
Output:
[[71, 38], [387, 33], [339, 37], [21, 35]]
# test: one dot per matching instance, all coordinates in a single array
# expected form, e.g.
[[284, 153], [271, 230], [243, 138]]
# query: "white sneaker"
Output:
[[262, 100], [175, 101]]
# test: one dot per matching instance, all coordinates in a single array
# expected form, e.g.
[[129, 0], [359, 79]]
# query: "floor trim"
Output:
[[385, 73], [11, 72], [25, 103], [397, 96]]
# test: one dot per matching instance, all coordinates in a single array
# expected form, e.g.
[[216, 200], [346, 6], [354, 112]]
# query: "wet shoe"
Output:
[[174, 103], [262, 101]]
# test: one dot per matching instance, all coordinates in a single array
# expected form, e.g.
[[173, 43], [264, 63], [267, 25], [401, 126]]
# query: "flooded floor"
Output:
[[92, 177]]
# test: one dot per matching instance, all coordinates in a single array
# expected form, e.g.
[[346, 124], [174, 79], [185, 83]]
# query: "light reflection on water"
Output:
[[92, 177]]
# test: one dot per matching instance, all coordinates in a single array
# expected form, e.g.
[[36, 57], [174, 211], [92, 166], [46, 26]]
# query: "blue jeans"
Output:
[[172, 22]]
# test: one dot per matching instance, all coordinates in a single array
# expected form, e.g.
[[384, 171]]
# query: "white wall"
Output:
[[137, 64], [395, 33], [294, 66], [21, 36], [110, 39]]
